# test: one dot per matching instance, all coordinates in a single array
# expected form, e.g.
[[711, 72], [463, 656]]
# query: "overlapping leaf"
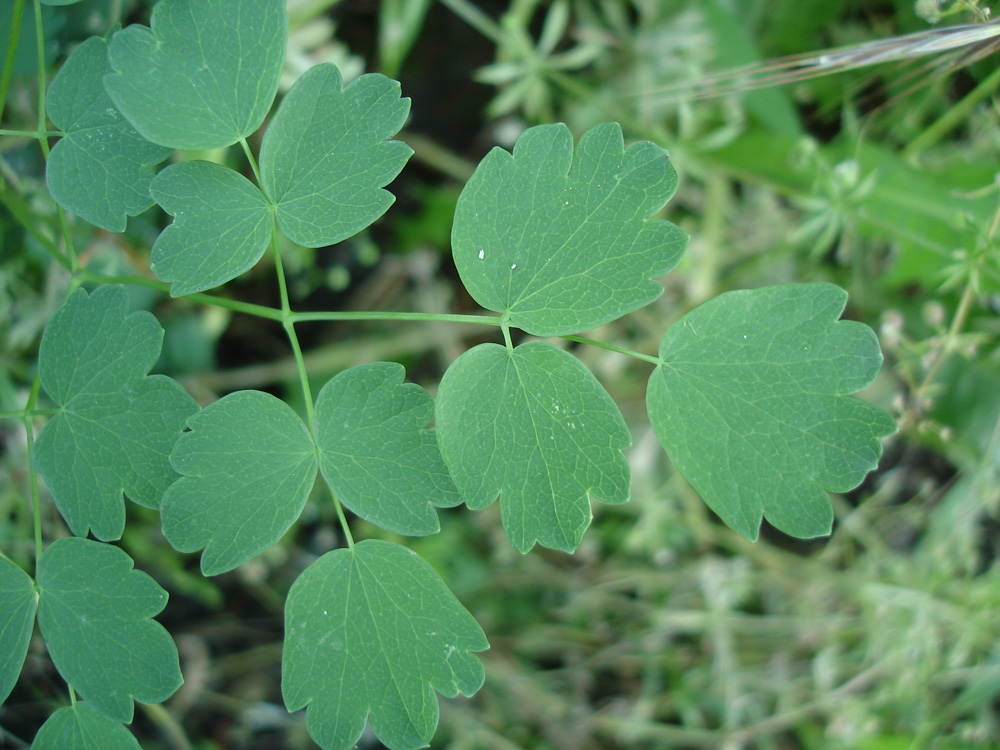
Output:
[[376, 453], [204, 75], [371, 632], [94, 612], [248, 465], [80, 727], [327, 154], [750, 402], [534, 426], [562, 242], [101, 168], [222, 224], [249, 462], [116, 425], [17, 617]]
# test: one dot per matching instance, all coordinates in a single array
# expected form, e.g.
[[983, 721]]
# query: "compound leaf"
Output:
[[17, 617], [327, 155], [94, 612], [376, 453], [222, 224], [116, 425], [751, 403], [101, 168], [371, 632], [204, 75], [248, 464], [80, 727], [562, 242], [534, 426]]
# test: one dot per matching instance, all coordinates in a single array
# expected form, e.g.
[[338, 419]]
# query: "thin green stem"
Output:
[[476, 19], [167, 724], [954, 117], [29, 432], [29, 413], [438, 157], [34, 134], [506, 336], [951, 336], [20, 211], [247, 308], [251, 159], [289, 325], [17, 13], [613, 348], [43, 141], [40, 46], [343, 521], [486, 320]]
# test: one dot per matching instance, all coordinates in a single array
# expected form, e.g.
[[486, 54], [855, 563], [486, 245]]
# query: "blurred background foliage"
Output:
[[665, 630]]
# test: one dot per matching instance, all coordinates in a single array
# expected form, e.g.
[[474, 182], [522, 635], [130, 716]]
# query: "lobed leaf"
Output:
[[327, 154], [534, 426], [371, 632], [562, 242], [80, 727], [94, 612], [248, 464], [750, 401], [204, 74], [116, 425], [222, 224], [376, 452], [101, 168], [17, 618]]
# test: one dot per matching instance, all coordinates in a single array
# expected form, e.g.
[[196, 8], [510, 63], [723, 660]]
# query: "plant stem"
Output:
[[613, 348], [29, 432], [8, 63], [343, 521], [437, 157], [289, 325], [953, 117], [486, 320], [247, 308], [167, 724], [33, 134], [253, 162], [43, 141], [476, 19], [19, 210]]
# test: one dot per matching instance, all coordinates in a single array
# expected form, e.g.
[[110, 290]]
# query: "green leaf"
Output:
[[101, 168], [80, 727], [94, 612], [204, 75], [248, 465], [327, 155], [376, 453], [563, 243], [17, 617], [534, 426], [750, 402], [371, 632], [116, 425], [222, 224]]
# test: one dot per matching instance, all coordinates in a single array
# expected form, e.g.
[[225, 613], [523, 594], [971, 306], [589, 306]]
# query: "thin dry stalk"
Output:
[[956, 46]]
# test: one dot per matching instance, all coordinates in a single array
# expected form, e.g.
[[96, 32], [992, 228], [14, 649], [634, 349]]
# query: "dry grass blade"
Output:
[[957, 46]]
